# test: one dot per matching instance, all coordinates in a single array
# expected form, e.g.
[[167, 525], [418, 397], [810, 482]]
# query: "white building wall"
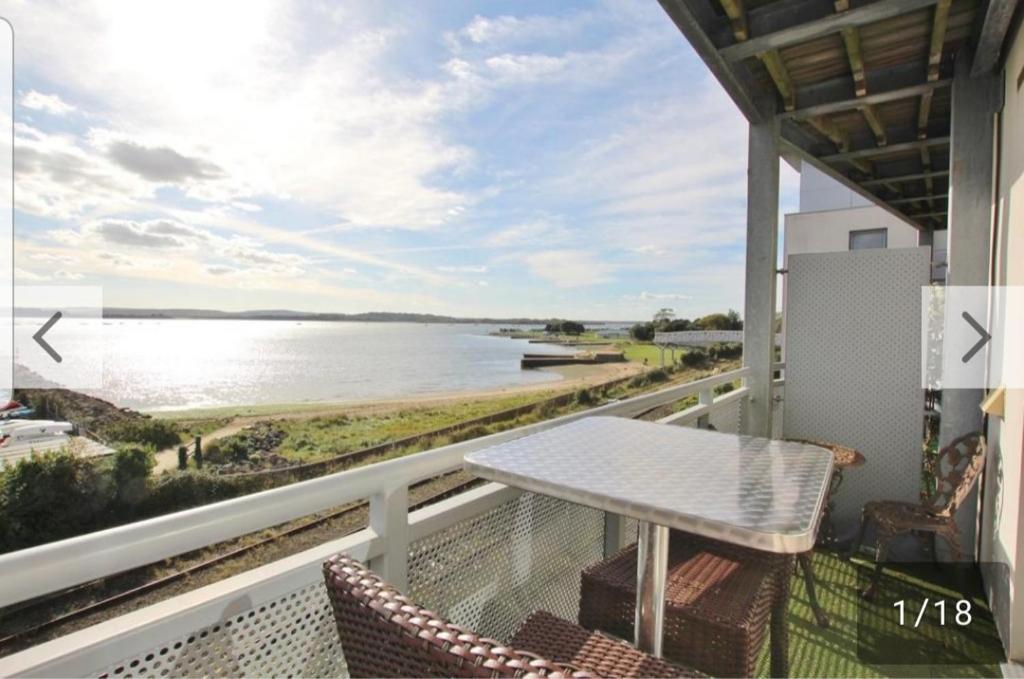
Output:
[[820, 192], [829, 231], [1003, 511]]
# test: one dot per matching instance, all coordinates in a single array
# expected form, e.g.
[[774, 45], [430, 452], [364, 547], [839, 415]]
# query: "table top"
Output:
[[749, 491]]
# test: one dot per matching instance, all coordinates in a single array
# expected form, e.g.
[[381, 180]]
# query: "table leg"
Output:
[[651, 575]]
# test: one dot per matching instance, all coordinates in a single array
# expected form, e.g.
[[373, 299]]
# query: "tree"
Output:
[[564, 327], [678, 325], [735, 322], [642, 332], [664, 315], [714, 322]]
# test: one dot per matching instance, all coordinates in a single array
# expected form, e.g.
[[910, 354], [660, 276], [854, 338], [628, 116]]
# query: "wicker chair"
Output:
[[384, 634], [958, 467], [720, 599]]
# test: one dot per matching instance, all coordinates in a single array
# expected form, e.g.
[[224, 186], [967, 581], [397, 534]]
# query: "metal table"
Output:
[[744, 490]]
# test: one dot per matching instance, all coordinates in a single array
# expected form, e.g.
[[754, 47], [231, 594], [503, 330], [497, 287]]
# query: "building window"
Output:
[[868, 238]]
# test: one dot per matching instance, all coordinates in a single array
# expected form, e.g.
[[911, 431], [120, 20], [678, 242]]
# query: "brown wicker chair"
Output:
[[719, 601], [958, 467], [384, 634]]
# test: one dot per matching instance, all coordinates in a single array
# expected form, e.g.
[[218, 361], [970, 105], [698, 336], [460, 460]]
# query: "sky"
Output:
[[570, 159]]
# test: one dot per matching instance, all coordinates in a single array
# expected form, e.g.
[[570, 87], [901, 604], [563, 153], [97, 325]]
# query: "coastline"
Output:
[[573, 377]]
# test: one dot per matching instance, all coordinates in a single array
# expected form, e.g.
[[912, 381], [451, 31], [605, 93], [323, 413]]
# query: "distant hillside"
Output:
[[287, 315]]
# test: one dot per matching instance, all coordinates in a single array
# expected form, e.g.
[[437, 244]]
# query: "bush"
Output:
[[695, 358], [146, 431], [584, 397], [50, 497], [657, 376], [175, 492], [132, 467]]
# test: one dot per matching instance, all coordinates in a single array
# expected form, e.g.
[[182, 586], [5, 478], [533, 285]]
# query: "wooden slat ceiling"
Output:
[[861, 86]]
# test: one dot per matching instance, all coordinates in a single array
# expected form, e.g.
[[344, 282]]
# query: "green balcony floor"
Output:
[[833, 652]]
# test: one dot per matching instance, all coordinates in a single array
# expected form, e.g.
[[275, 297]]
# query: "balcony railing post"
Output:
[[705, 397], [389, 519]]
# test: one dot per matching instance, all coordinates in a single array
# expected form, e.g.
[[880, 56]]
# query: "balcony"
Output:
[[485, 558]]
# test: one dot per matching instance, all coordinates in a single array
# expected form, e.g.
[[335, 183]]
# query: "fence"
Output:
[[273, 619]]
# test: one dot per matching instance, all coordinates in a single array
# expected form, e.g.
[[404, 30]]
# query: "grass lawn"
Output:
[[639, 351]]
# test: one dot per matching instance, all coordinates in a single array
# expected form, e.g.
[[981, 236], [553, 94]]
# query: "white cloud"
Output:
[[568, 268], [548, 232], [50, 103], [463, 268], [334, 128], [659, 296], [649, 250]]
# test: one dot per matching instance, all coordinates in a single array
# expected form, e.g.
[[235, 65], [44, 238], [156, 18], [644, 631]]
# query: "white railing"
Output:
[[384, 543]]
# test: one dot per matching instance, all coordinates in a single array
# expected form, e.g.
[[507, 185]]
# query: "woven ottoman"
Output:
[[720, 602]]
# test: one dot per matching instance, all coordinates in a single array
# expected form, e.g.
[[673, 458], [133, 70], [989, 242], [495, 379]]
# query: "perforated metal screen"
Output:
[[490, 572], [486, 572], [853, 367], [292, 636]]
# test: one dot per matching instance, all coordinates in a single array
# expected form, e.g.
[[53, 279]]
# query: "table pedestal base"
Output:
[[651, 576]]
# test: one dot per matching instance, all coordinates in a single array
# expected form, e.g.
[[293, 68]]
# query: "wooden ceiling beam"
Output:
[[940, 19], [918, 199], [830, 131], [737, 14], [924, 215], [880, 151], [772, 61], [802, 31], [851, 39], [918, 176], [875, 123], [852, 103]]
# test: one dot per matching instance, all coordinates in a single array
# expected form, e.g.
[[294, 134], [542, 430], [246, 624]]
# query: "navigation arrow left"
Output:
[[38, 336]]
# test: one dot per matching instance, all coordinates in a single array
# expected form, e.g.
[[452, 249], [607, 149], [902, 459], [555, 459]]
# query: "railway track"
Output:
[[445, 491]]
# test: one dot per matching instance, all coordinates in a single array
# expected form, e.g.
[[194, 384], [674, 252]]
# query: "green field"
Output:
[[329, 435], [638, 351]]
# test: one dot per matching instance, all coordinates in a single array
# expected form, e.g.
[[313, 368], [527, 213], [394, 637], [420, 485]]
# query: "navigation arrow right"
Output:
[[985, 337]]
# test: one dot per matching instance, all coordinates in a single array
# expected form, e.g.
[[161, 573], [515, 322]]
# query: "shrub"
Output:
[[695, 358], [174, 492], [131, 471], [50, 497], [146, 431], [657, 376], [584, 397]]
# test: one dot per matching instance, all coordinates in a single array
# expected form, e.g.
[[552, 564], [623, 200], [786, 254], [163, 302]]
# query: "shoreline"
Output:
[[573, 377]]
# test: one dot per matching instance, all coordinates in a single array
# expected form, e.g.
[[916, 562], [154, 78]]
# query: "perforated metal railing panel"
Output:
[[486, 572], [489, 572], [726, 418], [292, 636]]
